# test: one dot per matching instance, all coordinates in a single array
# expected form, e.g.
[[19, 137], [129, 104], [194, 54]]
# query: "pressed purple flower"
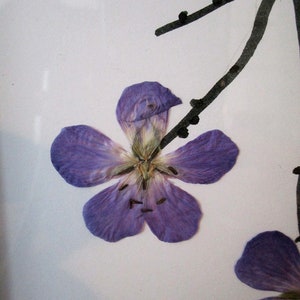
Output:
[[271, 261], [86, 157]]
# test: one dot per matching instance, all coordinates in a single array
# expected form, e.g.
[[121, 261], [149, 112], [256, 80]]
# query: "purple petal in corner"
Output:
[[110, 215], [176, 214], [270, 261], [205, 159], [84, 156]]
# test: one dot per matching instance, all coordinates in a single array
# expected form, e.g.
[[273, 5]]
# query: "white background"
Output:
[[67, 62]]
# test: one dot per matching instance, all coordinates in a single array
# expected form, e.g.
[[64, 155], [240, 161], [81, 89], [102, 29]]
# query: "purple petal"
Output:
[[84, 156], [144, 106], [144, 100], [147, 131], [176, 214], [205, 159], [270, 261], [110, 216]]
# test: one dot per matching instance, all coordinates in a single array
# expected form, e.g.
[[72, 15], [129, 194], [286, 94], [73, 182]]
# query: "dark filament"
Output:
[[132, 202], [154, 153], [145, 210], [161, 201], [122, 187], [126, 171], [174, 171], [144, 184]]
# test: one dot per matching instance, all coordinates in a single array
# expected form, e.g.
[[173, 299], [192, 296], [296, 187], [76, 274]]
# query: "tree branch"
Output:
[[297, 172], [184, 18], [199, 105], [297, 16]]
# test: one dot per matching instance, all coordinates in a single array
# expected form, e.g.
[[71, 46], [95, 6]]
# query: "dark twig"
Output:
[[184, 18], [297, 16], [297, 172], [199, 105]]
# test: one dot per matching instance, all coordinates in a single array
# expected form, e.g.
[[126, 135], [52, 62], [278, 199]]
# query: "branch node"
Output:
[[234, 69], [196, 102], [217, 2], [297, 170], [194, 120], [182, 17], [183, 132], [222, 83], [220, 2]]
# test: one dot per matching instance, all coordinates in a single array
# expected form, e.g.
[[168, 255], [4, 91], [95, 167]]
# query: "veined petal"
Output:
[[85, 157], [146, 131], [270, 261], [144, 100], [176, 214], [110, 215], [205, 159], [144, 106]]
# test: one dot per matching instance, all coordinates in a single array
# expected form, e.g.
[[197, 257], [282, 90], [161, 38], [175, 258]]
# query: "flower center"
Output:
[[142, 166], [145, 169], [145, 150], [143, 163]]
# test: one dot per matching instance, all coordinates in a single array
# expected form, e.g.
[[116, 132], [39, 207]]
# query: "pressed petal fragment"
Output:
[[142, 110], [144, 100], [146, 133], [114, 213], [176, 214], [270, 261], [85, 157], [205, 159]]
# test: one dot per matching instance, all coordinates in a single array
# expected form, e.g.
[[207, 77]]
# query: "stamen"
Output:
[[145, 210], [161, 171], [161, 201], [154, 153], [122, 187], [173, 170], [144, 184], [132, 202], [126, 171]]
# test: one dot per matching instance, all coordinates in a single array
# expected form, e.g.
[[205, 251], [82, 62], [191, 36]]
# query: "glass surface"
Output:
[[67, 62]]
